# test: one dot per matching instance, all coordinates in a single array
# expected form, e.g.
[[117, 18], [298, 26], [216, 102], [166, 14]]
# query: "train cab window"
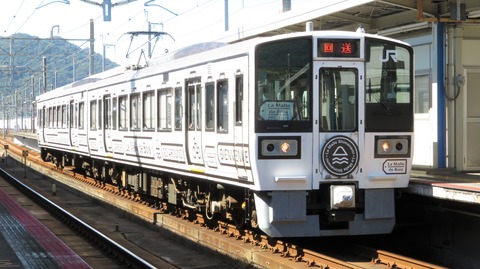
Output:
[[148, 110], [283, 98], [222, 106], [93, 115], [338, 95], [122, 113], [164, 111], [81, 115], [114, 113], [238, 100], [210, 106], [178, 108], [388, 86], [135, 111]]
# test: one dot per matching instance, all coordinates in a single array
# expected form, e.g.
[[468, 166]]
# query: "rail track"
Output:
[[244, 245]]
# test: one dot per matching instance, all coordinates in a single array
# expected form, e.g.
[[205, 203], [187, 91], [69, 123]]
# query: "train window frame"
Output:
[[148, 107], [100, 114], [272, 59], [107, 112], [178, 93], [164, 109], [56, 117], [389, 86], [114, 112], [71, 115], [222, 107], [123, 113], [194, 103], [93, 115], [81, 115], [239, 100], [336, 103], [40, 122], [64, 117], [135, 112], [210, 101]]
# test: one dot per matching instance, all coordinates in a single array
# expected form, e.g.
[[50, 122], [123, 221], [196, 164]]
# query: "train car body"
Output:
[[305, 134]]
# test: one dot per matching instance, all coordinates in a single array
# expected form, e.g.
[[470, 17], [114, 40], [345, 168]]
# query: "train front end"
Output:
[[333, 133]]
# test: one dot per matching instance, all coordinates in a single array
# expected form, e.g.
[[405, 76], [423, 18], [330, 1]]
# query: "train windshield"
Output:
[[283, 88], [388, 87]]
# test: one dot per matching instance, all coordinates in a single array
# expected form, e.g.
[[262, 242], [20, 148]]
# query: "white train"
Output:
[[304, 134]]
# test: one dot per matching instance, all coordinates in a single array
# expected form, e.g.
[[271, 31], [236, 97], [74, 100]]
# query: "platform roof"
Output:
[[374, 16]]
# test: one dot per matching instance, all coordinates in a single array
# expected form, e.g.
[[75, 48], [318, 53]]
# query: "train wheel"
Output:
[[238, 216]]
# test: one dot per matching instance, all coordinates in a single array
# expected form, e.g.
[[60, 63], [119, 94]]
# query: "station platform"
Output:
[[26, 243], [446, 185]]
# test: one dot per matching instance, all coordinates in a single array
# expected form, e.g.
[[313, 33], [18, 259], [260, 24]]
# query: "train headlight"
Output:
[[386, 146], [393, 146], [276, 147], [285, 147]]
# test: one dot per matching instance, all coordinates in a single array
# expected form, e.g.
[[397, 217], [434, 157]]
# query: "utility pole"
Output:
[[92, 48], [44, 74], [32, 103]]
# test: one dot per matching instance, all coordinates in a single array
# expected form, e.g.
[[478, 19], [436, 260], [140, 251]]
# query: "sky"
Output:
[[186, 21]]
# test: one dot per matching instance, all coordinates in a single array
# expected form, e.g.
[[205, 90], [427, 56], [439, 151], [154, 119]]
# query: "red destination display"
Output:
[[343, 48]]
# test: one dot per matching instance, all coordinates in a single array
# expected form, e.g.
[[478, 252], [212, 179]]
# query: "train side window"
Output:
[[75, 115], [164, 110], [100, 115], [81, 115], [210, 106], [93, 115], [71, 114], [52, 117], [135, 111], [107, 114], [238, 99], [122, 112], [114, 113], [58, 115], [40, 118], [55, 117], [222, 106], [194, 106], [64, 117], [148, 110], [178, 108]]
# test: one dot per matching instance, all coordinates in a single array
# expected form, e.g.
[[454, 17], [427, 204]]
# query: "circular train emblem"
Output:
[[340, 156]]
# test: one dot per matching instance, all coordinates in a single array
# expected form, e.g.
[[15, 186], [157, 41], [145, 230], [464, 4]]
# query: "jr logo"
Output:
[[388, 54]]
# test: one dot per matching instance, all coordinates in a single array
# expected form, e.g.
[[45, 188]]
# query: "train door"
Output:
[[108, 123], [340, 129], [194, 122]]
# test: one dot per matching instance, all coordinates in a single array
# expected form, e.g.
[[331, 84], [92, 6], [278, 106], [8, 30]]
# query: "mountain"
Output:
[[21, 57]]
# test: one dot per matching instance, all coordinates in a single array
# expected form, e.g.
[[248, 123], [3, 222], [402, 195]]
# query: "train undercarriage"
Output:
[[213, 200]]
